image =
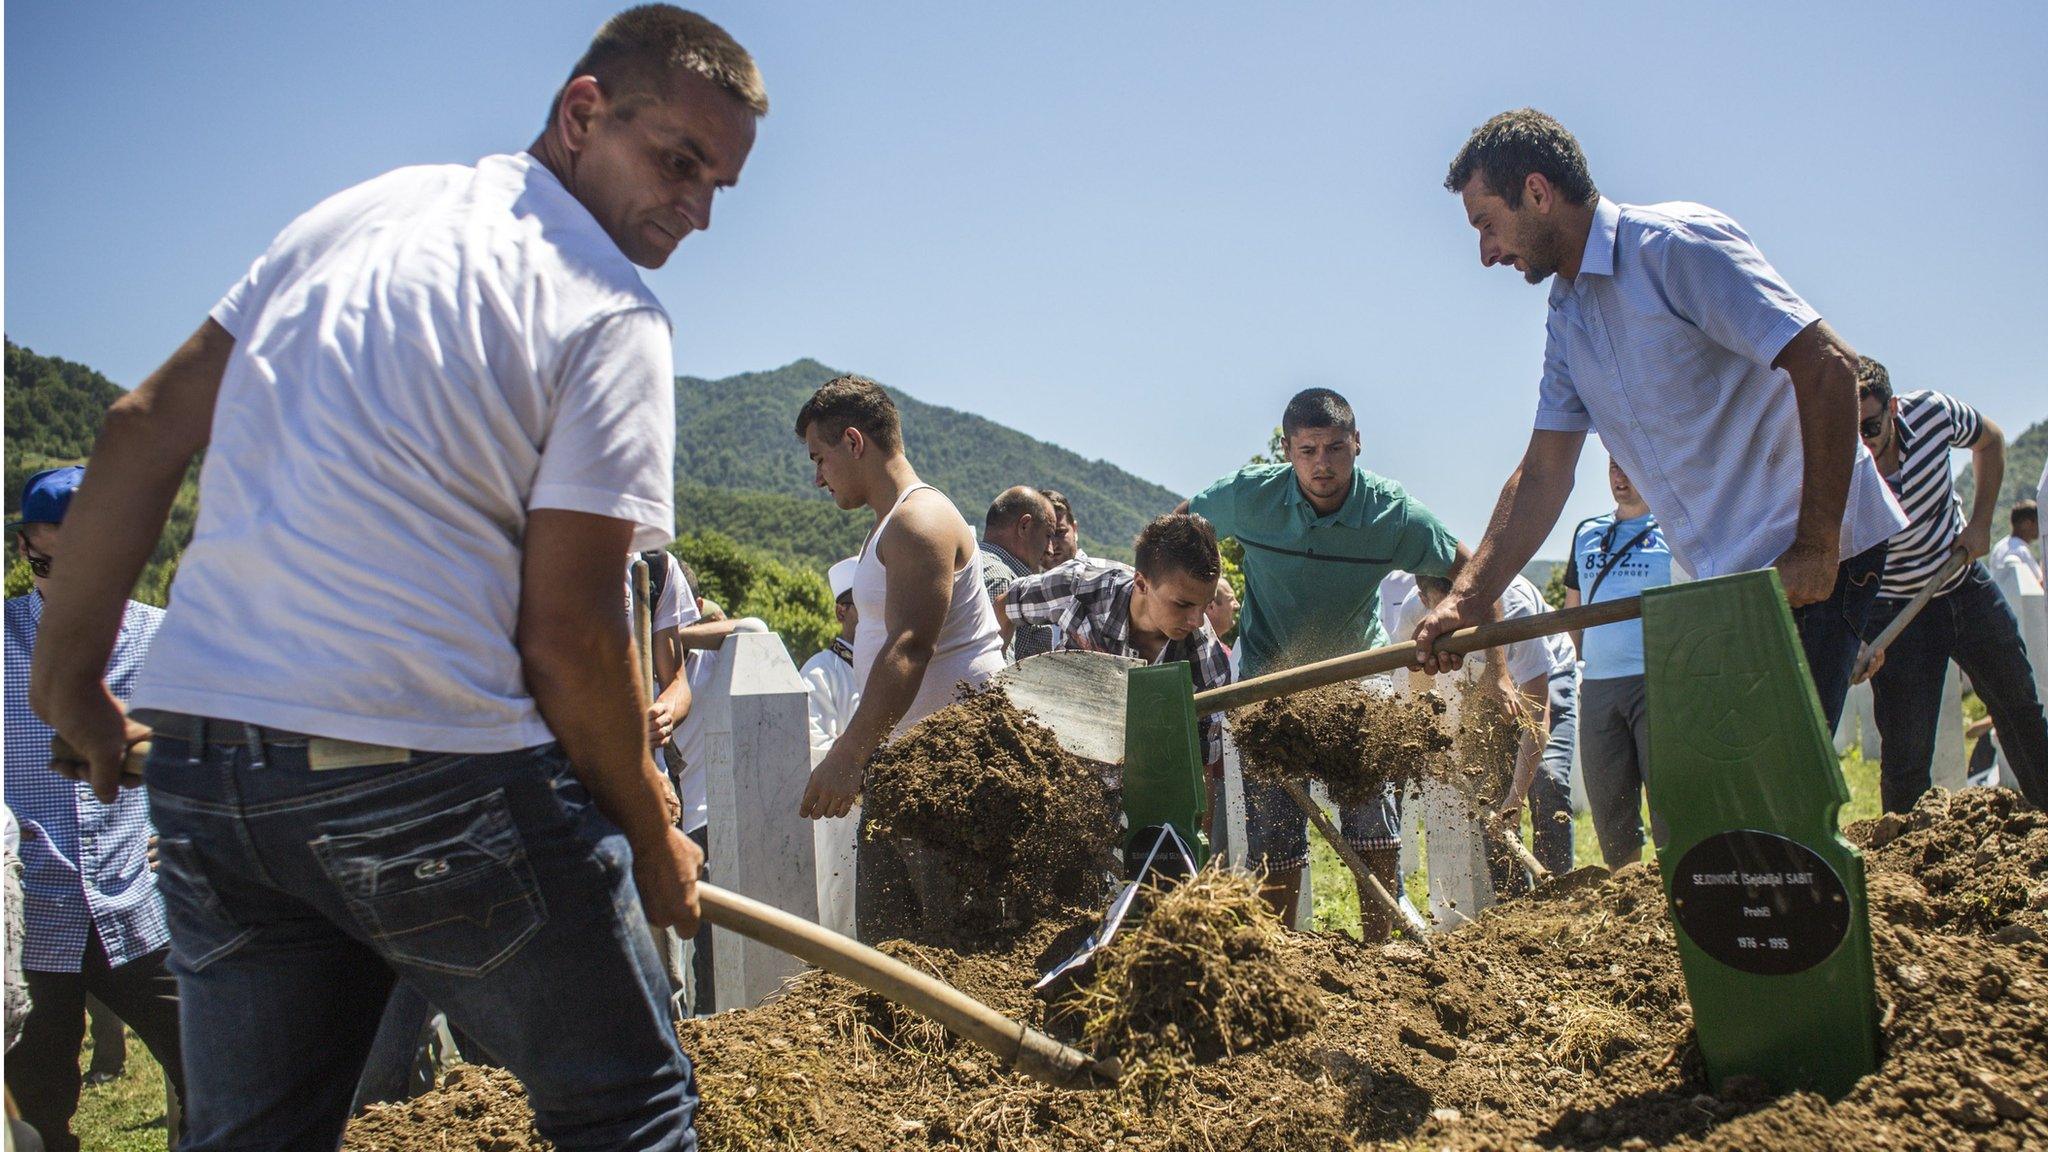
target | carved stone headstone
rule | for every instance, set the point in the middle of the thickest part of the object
(757, 766)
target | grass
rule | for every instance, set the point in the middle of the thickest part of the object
(127, 1115)
(1336, 900)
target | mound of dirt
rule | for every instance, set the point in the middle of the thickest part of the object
(475, 1109)
(1019, 825)
(1353, 739)
(1554, 1021)
(1198, 978)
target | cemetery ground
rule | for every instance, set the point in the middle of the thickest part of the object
(907, 1084)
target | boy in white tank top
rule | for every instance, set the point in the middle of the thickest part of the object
(926, 627)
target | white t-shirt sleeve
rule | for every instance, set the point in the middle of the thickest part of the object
(232, 313)
(669, 611)
(1528, 659)
(611, 445)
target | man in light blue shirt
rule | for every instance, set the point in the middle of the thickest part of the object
(95, 921)
(1726, 398)
(1615, 556)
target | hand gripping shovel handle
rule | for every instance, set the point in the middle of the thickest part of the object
(1870, 652)
(68, 762)
(1030, 1051)
(1407, 917)
(1402, 655)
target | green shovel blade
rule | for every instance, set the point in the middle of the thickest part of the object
(1163, 782)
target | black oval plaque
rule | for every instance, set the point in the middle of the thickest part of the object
(1759, 902)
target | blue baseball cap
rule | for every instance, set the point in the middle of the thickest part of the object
(46, 495)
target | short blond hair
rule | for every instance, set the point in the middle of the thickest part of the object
(639, 50)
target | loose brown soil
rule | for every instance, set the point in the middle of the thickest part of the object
(1021, 825)
(1554, 1021)
(1356, 741)
(1483, 758)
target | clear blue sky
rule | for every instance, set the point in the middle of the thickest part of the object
(1133, 229)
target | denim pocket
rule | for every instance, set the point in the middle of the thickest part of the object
(202, 931)
(453, 891)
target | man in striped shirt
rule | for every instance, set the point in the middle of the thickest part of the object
(1968, 621)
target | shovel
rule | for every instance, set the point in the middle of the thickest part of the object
(1082, 697)
(1024, 1048)
(1869, 653)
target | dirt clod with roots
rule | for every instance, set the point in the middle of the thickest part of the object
(1197, 978)
(1354, 739)
(1020, 825)
(1556, 1021)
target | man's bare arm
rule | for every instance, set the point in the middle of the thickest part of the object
(1823, 371)
(705, 635)
(1987, 461)
(576, 649)
(1571, 600)
(1527, 510)
(918, 549)
(672, 704)
(1004, 625)
(145, 446)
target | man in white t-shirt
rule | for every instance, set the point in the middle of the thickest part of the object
(2016, 551)
(834, 695)
(1545, 672)
(396, 725)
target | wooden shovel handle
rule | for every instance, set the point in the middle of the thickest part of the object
(1028, 1050)
(1402, 655)
(1868, 653)
(1407, 917)
(66, 761)
(1520, 851)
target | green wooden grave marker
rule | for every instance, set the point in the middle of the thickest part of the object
(1767, 898)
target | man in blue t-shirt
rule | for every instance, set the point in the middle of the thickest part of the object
(1614, 556)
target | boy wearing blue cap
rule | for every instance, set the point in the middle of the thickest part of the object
(95, 924)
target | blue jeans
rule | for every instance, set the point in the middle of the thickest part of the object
(1973, 626)
(1550, 792)
(490, 882)
(1832, 630)
(1276, 831)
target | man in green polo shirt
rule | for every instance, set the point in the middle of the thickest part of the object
(1319, 533)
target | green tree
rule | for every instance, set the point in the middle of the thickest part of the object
(794, 601)
(1553, 588)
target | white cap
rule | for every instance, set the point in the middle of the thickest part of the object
(840, 576)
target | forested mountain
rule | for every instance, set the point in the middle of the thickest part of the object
(53, 415)
(2024, 455)
(739, 466)
(760, 535)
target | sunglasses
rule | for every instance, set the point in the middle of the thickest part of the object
(1872, 426)
(38, 563)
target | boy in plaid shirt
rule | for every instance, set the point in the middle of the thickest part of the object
(1154, 612)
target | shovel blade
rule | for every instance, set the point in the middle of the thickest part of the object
(1079, 695)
